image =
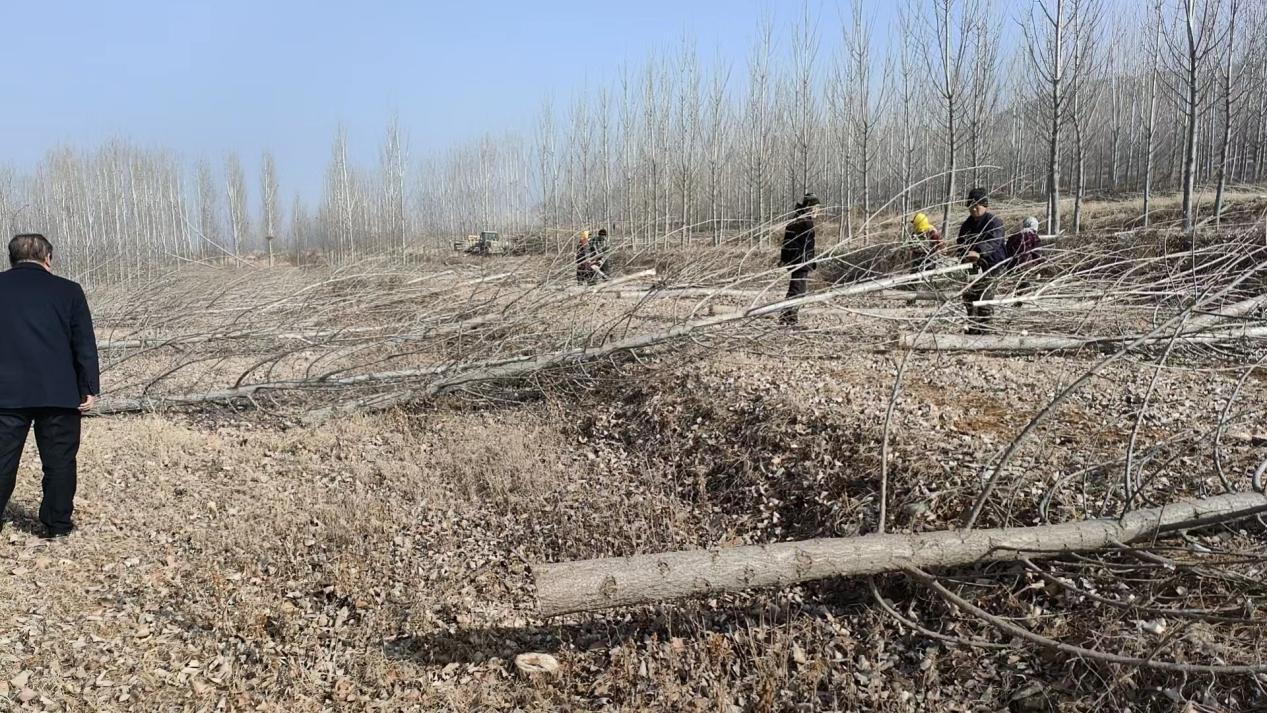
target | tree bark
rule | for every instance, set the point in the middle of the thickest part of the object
(1191, 112)
(589, 585)
(1151, 132)
(1057, 118)
(1226, 82)
(1015, 343)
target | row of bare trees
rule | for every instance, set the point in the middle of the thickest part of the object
(1055, 99)
(1049, 99)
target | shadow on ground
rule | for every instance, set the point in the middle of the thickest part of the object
(473, 645)
(23, 520)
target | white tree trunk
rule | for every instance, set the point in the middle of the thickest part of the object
(570, 587)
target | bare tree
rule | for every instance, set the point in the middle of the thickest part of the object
(911, 111)
(804, 108)
(1050, 50)
(300, 230)
(984, 97)
(208, 204)
(1151, 132)
(239, 219)
(687, 131)
(268, 195)
(394, 160)
(1190, 42)
(759, 131)
(340, 204)
(1085, 86)
(716, 123)
(946, 61)
(605, 155)
(547, 171)
(1232, 92)
(866, 109)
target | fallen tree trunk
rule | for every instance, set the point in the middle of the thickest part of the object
(1038, 343)
(922, 295)
(694, 293)
(1198, 322)
(589, 585)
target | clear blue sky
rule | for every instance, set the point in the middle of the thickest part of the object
(205, 77)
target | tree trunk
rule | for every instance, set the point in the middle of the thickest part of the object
(1227, 81)
(1057, 118)
(1191, 109)
(1079, 159)
(950, 87)
(1148, 146)
(950, 168)
(589, 585)
(1260, 155)
(1015, 344)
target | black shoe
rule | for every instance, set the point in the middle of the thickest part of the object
(57, 534)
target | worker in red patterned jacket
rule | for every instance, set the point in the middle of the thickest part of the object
(1023, 256)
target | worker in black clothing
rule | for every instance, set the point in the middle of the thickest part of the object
(984, 244)
(797, 254)
(602, 254)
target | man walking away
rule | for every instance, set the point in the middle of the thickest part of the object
(48, 375)
(798, 254)
(983, 243)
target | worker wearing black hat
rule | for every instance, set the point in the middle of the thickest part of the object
(798, 253)
(984, 244)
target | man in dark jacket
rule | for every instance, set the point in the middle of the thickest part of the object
(984, 244)
(602, 255)
(798, 254)
(48, 375)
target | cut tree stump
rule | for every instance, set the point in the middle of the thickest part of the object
(588, 585)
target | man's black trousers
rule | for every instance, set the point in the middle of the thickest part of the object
(981, 289)
(57, 439)
(797, 286)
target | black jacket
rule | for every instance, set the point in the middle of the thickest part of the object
(798, 243)
(984, 235)
(48, 351)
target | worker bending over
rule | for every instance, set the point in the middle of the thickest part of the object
(926, 242)
(983, 244)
